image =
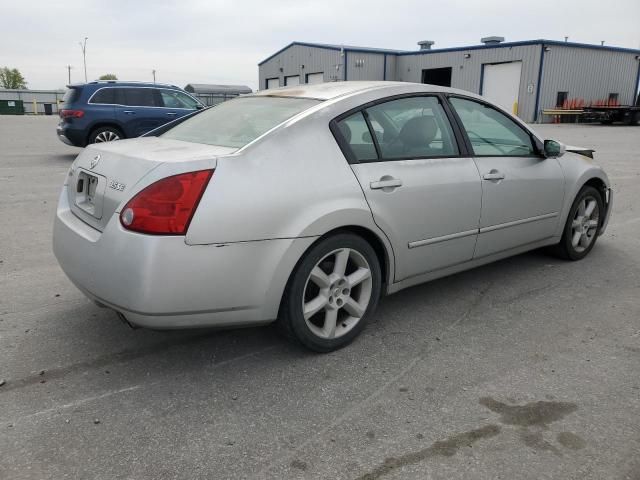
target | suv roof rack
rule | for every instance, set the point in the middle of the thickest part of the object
(133, 81)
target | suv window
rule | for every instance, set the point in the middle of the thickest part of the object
(491, 132)
(140, 97)
(414, 127)
(173, 99)
(356, 135)
(104, 95)
(70, 95)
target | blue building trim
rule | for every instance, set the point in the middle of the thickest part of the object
(635, 99)
(481, 79)
(454, 49)
(384, 68)
(539, 85)
(346, 65)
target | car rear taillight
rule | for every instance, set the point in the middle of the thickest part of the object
(65, 113)
(166, 206)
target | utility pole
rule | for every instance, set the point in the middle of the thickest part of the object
(154, 75)
(83, 46)
(69, 67)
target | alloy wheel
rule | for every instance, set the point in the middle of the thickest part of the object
(337, 293)
(584, 227)
(107, 136)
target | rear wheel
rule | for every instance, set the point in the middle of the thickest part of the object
(332, 293)
(105, 134)
(583, 225)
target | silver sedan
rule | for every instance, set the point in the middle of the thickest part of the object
(304, 205)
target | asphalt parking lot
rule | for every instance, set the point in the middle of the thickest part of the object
(525, 369)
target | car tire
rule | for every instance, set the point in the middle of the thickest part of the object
(331, 294)
(583, 225)
(105, 134)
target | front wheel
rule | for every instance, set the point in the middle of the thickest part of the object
(583, 225)
(332, 293)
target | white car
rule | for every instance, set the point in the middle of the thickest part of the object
(304, 205)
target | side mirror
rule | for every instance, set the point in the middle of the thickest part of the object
(199, 107)
(553, 149)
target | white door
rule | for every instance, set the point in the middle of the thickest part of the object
(315, 77)
(292, 80)
(273, 83)
(501, 84)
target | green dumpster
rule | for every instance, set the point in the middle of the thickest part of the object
(11, 107)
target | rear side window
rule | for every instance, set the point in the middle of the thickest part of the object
(414, 127)
(357, 138)
(141, 97)
(105, 96)
(491, 132)
(238, 122)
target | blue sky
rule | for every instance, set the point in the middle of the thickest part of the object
(193, 41)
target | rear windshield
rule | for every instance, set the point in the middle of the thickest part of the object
(237, 122)
(70, 95)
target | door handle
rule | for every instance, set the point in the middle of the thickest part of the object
(494, 176)
(129, 112)
(386, 182)
(171, 114)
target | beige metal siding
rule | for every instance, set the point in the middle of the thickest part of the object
(466, 72)
(365, 66)
(588, 74)
(300, 60)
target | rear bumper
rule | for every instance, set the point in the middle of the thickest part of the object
(161, 282)
(71, 136)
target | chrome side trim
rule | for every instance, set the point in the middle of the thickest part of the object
(500, 226)
(143, 106)
(444, 238)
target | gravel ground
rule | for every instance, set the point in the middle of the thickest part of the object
(524, 369)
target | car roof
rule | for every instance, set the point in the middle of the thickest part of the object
(330, 90)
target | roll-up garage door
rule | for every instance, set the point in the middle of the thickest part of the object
(273, 83)
(292, 80)
(501, 84)
(315, 77)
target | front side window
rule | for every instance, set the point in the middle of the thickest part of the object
(239, 121)
(414, 127)
(173, 99)
(140, 97)
(491, 132)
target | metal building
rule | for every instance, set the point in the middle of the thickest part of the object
(525, 77)
(35, 101)
(214, 94)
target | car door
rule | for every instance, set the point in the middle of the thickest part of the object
(177, 104)
(423, 191)
(522, 191)
(140, 110)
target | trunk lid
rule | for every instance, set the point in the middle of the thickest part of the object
(104, 175)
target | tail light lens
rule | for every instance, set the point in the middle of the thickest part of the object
(65, 113)
(166, 207)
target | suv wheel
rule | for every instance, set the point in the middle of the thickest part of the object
(105, 134)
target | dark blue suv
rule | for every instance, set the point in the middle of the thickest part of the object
(104, 111)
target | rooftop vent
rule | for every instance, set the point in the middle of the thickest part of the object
(426, 44)
(492, 40)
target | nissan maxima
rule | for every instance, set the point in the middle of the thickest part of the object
(304, 205)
